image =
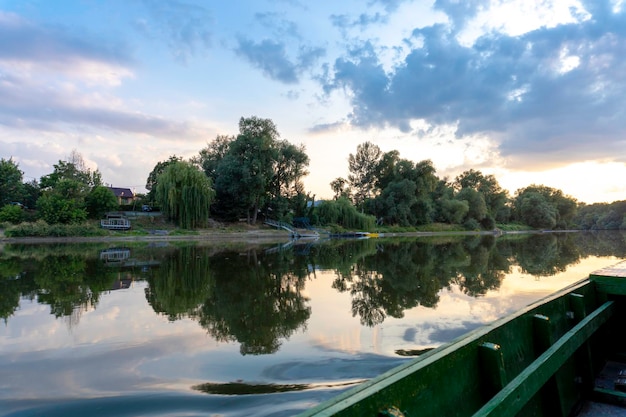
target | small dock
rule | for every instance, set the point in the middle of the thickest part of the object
(296, 233)
(115, 222)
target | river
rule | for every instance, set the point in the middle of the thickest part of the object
(199, 329)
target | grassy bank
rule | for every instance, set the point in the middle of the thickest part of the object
(151, 225)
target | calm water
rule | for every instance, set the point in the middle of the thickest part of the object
(191, 329)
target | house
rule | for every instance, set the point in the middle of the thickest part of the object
(123, 195)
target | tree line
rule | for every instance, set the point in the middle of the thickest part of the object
(256, 173)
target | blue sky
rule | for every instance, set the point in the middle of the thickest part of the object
(529, 91)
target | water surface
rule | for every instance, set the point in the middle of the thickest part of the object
(186, 328)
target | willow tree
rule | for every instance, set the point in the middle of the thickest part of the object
(185, 195)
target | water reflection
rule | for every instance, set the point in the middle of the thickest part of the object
(256, 296)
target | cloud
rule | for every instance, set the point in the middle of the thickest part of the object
(51, 79)
(327, 127)
(185, 28)
(27, 47)
(364, 20)
(389, 5)
(272, 59)
(548, 91)
(29, 104)
(280, 26)
(460, 12)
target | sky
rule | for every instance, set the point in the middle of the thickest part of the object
(532, 92)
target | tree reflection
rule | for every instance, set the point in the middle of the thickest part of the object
(257, 301)
(71, 283)
(181, 284)
(486, 266)
(14, 283)
(403, 275)
(547, 254)
(255, 296)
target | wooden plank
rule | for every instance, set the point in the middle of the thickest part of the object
(492, 361)
(610, 280)
(551, 391)
(516, 394)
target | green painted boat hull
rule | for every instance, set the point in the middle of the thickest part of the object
(540, 361)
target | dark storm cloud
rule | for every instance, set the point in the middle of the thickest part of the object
(516, 89)
(184, 27)
(25, 41)
(272, 59)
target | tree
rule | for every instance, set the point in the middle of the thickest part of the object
(74, 169)
(158, 169)
(340, 188)
(65, 189)
(100, 200)
(11, 213)
(477, 208)
(256, 172)
(54, 207)
(259, 172)
(185, 194)
(494, 196)
(363, 169)
(386, 169)
(245, 173)
(11, 186)
(536, 211)
(399, 202)
(289, 169)
(31, 193)
(341, 212)
(210, 157)
(563, 207)
(286, 189)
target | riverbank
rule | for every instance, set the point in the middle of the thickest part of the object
(252, 234)
(157, 228)
(204, 235)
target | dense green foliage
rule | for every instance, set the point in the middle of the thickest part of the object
(152, 181)
(99, 201)
(601, 216)
(185, 195)
(255, 173)
(341, 212)
(11, 213)
(544, 208)
(11, 185)
(64, 191)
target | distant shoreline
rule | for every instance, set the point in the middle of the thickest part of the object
(257, 235)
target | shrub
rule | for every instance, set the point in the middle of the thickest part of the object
(11, 213)
(42, 229)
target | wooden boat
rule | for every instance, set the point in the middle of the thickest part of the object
(549, 359)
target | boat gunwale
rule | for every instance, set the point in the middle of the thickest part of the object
(392, 376)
